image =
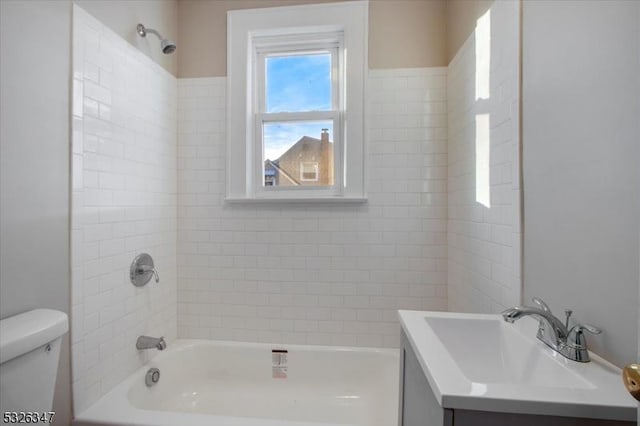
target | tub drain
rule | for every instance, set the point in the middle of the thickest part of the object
(152, 377)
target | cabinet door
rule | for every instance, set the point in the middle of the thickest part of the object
(418, 404)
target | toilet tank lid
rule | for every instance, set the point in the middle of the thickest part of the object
(24, 332)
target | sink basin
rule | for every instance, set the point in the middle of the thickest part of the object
(504, 354)
(480, 362)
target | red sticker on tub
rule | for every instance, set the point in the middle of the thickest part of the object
(279, 363)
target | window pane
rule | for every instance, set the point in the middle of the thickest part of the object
(298, 153)
(298, 83)
(309, 171)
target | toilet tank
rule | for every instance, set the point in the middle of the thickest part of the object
(29, 351)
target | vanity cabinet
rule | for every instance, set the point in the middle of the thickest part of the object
(418, 405)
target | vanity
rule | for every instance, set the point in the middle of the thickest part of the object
(476, 370)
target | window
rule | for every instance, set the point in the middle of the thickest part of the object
(309, 172)
(297, 109)
(296, 102)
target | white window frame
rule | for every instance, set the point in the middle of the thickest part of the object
(256, 31)
(291, 45)
(314, 164)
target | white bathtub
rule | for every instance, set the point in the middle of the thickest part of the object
(232, 384)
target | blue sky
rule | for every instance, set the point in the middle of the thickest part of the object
(296, 83)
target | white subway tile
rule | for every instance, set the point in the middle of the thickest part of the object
(103, 215)
(483, 242)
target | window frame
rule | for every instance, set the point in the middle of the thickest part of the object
(315, 169)
(293, 45)
(296, 26)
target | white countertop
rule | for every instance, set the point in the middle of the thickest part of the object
(515, 372)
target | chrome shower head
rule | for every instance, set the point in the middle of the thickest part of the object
(168, 46)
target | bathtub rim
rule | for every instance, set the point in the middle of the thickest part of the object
(102, 412)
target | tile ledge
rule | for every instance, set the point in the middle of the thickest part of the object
(316, 200)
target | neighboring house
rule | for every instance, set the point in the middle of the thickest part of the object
(308, 162)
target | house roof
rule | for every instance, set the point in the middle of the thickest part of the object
(308, 144)
(305, 140)
(274, 164)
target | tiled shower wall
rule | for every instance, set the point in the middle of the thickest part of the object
(124, 203)
(332, 274)
(483, 174)
(316, 273)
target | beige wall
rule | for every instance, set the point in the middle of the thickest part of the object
(461, 16)
(428, 32)
(122, 16)
(402, 33)
(406, 34)
(34, 166)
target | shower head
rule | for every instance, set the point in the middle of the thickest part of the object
(168, 46)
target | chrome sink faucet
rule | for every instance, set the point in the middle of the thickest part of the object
(570, 343)
(146, 342)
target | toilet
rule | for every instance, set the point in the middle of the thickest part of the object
(29, 351)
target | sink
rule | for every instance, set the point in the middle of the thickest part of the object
(504, 354)
(480, 362)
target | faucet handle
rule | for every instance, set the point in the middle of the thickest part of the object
(576, 343)
(576, 336)
(541, 303)
(586, 327)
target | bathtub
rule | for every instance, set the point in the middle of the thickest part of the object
(249, 384)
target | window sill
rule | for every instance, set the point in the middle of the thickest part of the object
(317, 200)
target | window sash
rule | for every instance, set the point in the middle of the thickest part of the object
(283, 46)
(296, 50)
(298, 116)
(261, 189)
(303, 171)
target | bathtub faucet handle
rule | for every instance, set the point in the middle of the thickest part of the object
(143, 269)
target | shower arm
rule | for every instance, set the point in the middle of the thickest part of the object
(142, 31)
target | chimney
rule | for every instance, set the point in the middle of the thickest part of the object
(324, 136)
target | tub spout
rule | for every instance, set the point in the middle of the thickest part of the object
(146, 342)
